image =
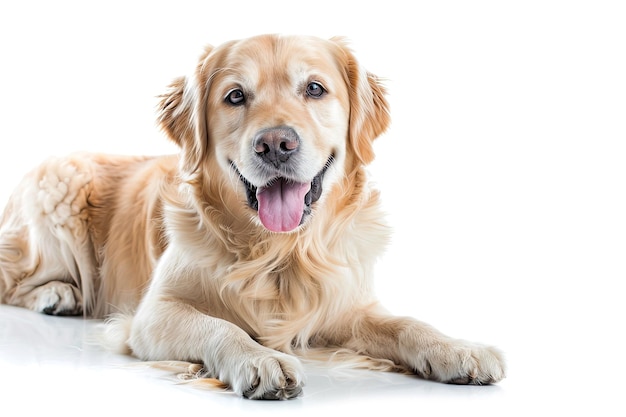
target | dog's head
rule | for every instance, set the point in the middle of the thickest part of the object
(287, 117)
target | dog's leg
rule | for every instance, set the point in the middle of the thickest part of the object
(425, 351)
(46, 257)
(166, 326)
(31, 279)
(167, 330)
(28, 279)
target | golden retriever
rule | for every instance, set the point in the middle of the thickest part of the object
(255, 244)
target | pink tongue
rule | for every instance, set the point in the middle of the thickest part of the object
(281, 204)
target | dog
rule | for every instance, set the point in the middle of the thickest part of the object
(253, 245)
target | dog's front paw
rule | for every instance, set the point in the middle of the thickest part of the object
(459, 362)
(268, 375)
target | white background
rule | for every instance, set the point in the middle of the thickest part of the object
(504, 171)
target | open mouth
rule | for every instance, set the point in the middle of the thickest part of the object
(282, 203)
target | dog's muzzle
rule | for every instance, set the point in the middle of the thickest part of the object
(282, 204)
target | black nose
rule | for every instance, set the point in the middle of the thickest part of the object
(276, 145)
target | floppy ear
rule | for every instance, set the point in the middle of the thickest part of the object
(182, 115)
(369, 109)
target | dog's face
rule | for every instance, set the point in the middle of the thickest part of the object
(288, 117)
(278, 116)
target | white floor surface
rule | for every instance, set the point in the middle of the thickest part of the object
(49, 366)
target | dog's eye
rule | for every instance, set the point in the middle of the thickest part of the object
(236, 97)
(315, 90)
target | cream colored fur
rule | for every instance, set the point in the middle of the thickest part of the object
(169, 250)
